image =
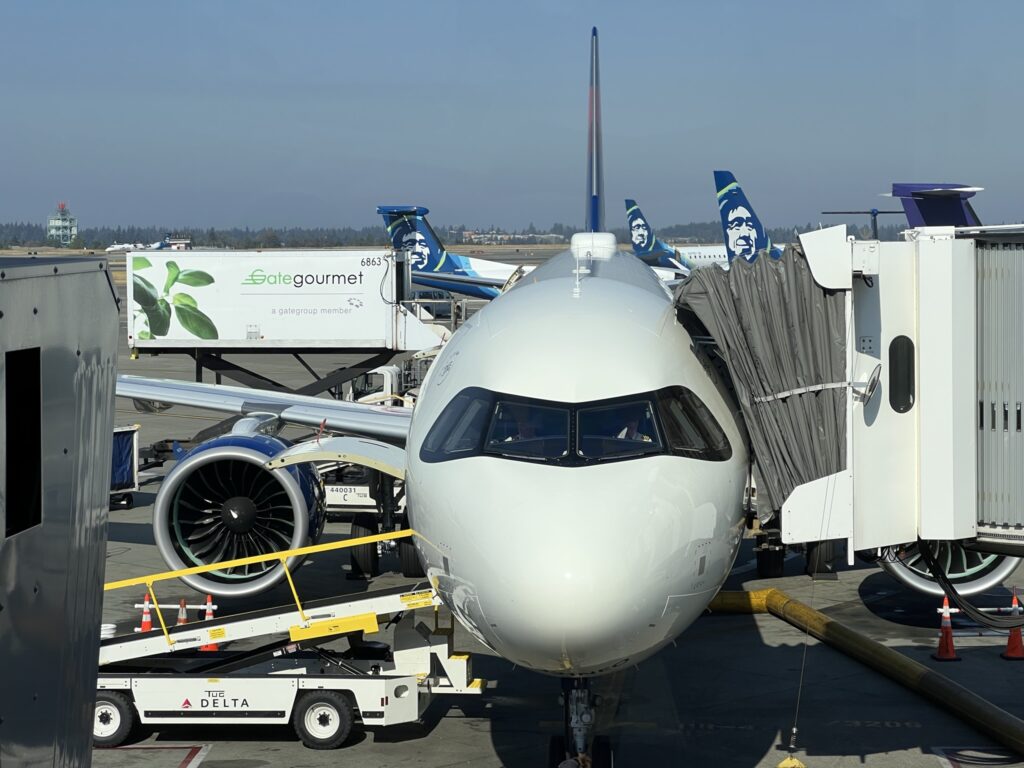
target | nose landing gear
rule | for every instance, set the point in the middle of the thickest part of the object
(570, 749)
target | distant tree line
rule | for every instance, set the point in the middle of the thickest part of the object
(26, 234)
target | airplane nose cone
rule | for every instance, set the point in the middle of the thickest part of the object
(589, 573)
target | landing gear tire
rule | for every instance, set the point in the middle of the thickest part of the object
(556, 751)
(114, 719)
(365, 557)
(408, 558)
(601, 753)
(322, 719)
(819, 557)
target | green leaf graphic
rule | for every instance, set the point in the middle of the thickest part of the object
(144, 335)
(144, 292)
(195, 277)
(159, 318)
(195, 322)
(172, 274)
(140, 262)
(180, 299)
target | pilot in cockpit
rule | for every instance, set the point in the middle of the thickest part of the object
(632, 429)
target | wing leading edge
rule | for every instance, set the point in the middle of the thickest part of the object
(387, 423)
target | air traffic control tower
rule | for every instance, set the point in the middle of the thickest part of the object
(61, 227)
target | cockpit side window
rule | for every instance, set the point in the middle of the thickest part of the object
(459, 429)
(690, 428)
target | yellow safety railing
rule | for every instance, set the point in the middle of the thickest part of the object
(282, 556)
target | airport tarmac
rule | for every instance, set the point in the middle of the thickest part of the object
(726, 694)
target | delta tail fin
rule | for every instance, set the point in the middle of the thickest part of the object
(745, 235)
(938, 205)
(595, 165)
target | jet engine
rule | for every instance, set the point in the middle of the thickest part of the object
(219, 504)
(971, 571)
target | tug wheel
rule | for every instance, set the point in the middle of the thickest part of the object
(322, 719)
(113, 720)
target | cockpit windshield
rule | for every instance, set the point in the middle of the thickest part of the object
(670, 421)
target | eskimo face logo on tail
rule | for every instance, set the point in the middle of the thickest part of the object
(639, 232)
(417, 251)
(741, 230)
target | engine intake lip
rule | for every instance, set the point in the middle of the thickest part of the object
(989, 570)
(163, 522)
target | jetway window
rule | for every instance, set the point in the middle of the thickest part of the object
(23, 418)
(901, 375)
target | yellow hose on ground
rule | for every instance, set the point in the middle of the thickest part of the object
(965, 704)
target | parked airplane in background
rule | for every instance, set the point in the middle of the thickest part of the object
(657, 253)
(526, 460)
(125, 247)
(745, 235)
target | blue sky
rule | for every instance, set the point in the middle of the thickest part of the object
(310, 114)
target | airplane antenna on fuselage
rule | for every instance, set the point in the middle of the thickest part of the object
(595, 168)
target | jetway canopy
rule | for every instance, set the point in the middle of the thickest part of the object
(783, 338)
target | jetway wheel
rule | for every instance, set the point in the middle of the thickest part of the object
(365, 557)
(819, 557)
(114, 719)
(322, 719)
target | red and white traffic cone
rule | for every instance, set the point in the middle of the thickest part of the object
(147, 619)
(1014, 645)
(182, 613)
(209, 615)
(946, 651)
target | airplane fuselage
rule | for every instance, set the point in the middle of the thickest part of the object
(575, 473)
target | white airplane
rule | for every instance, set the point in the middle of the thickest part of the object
(573, 472)
(159, 245)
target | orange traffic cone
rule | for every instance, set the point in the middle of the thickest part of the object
(147, 618)
(945, 651)
(209, 615)
(1014, 645)
(182, 614)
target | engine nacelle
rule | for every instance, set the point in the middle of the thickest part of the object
(219, 504)
(970, 571)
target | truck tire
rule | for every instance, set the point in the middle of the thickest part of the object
(365, 557)
(113, 720)
(322, 719)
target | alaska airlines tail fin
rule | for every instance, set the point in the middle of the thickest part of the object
(937, 205)
(409, 231)
(646, 245)
(745, 236)
(595, 167)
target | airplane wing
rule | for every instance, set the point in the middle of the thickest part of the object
(384, 422)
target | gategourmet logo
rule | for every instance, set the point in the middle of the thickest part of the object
(302, 279)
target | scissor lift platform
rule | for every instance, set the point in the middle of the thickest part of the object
(158, 678)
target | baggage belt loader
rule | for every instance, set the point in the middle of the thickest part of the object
(288, 675)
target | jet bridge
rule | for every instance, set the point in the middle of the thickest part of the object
(881, 384)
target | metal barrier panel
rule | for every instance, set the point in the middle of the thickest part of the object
(1000, 376)
(58, 338)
